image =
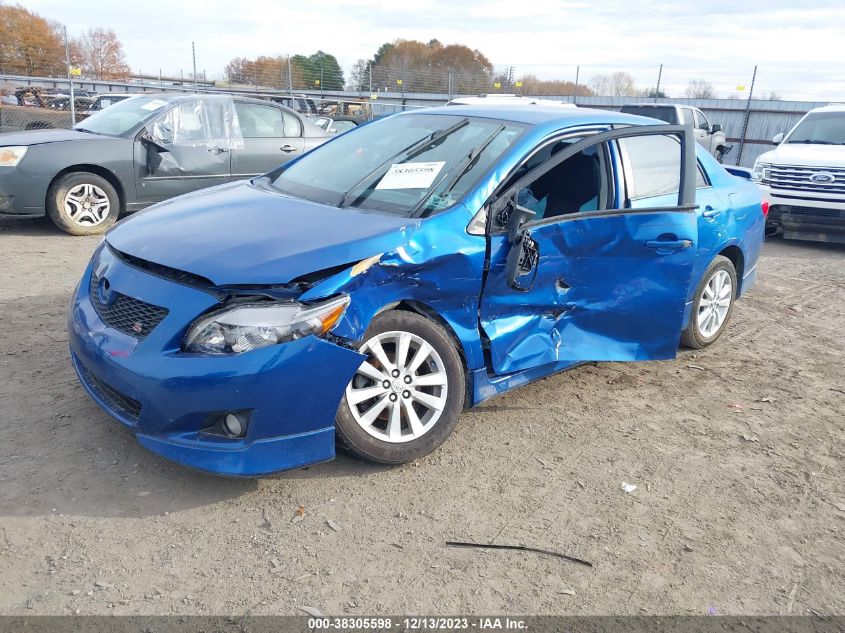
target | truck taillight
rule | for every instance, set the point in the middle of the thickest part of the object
(765, 207)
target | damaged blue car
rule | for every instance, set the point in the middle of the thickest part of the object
(369, 291)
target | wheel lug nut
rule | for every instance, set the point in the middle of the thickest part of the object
(386, 384)
(393, 397)
(407, 380)
(395, 373)
(406, 394)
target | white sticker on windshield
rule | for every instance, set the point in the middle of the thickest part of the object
(155, 104)
(410, 175)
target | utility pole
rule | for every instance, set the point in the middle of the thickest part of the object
(194, 55)
(659, 77)
(70, 81)
(290, 83)
(747, 116)
(577, 75)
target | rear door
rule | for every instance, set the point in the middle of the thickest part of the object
(271, 136)
(599, 276)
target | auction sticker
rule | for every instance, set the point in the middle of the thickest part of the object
(410, 175)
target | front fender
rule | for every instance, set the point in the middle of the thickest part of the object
(439, 266)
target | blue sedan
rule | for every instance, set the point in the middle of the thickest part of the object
(369, 291)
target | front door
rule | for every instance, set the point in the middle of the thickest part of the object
(183, 149)
(608, 278)
(272, 136)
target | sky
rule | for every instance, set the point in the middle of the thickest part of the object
(798, 49)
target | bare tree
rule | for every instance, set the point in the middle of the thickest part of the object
(101, 53)
(700, 89)
(619, 84)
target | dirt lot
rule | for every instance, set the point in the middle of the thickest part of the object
(736, 452)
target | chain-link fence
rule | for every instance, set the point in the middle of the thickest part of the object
(33, 102)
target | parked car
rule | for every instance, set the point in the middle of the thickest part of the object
(338, 124)
(300, 103)
(104, 101)
(710, 136)
(29, 109)
(411, 268)
(144, 150)
(62, 103)
(803, 179)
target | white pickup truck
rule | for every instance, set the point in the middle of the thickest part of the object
(803, 179)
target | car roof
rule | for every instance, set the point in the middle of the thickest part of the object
(833, 107)
(540, 114)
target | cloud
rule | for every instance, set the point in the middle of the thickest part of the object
(719, 40)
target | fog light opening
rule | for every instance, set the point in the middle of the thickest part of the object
(234, 425)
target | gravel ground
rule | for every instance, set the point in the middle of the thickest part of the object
(736, 452)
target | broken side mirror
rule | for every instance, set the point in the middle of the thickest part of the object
(524, 254)
(777, 139)
(716, 128)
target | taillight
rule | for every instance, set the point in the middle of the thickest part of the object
(765, 207)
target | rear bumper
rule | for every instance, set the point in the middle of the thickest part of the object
(801, 216)
(291, 391)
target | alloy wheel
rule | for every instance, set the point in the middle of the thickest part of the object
(714, 303)
(399, 392)
(86, 205)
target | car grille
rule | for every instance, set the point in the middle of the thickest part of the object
(798, 179)
(125, 314)
(121, 404)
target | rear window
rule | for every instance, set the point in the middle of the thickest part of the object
(664, 113)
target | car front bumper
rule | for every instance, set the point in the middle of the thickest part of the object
(290, 391)
(22, 193)
(802, 215)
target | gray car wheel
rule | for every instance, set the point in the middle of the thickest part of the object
(82, 203)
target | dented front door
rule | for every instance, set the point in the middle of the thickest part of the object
(608, 285)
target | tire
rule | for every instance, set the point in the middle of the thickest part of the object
(389, 440)
(67, 197)
(697, 333)
(719, 155)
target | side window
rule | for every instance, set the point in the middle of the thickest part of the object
(579, 183)
(181, 125)
(260, 121)
(700, 122)
(652, 165)
(700, 178)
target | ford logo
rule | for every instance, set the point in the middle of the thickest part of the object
(104, 291)
(822, 178)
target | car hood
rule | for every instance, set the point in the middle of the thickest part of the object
(37, 137)
(806, 154)
(240, 233)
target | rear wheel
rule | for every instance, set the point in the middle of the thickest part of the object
(713, 305)
(82, 203)
(405, 399)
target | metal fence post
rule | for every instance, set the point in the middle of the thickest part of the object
(449, 84)
(575, 92)
(746, 118)
(70, 81)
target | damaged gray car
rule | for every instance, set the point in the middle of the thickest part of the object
(144, 150)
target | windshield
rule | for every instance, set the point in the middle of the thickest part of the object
(822, 128)
(121, 117)
(405, 164)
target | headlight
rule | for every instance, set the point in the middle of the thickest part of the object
(762, 172)
(254, 325)
(12, 155)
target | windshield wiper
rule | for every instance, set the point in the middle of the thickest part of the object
(411, 151)
(816, 141)
(454, 175)
(86, 130)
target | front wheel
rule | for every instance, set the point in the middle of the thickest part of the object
(405, 399)
(82, 203)
(713, 305)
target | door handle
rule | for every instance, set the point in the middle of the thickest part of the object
(217, 150)
(668, 244)
(287, 148)
(710, 212)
